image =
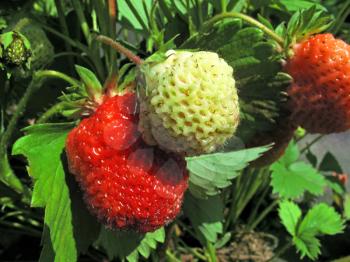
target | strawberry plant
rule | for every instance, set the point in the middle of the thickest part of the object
(173, 130)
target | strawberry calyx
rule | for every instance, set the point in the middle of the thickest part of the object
(302, 25)
(82, 99)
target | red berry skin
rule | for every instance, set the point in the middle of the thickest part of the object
(126, 183)
(320, 92)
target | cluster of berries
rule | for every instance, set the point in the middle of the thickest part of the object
(128, 156)
(131, 184)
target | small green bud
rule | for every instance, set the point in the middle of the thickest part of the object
(300, 133)
(15, 48)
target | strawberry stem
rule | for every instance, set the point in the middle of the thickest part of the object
(9, 177)
(56, 74)
(120, 48)
(247, 19)
(55, 109)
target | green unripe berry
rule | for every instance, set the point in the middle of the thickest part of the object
(15, 48)
(190, 103)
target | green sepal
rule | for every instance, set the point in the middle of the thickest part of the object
(71, 113)
(92, 85)
(126, 76)
(161, 55)
(305, 23)
(157, 57)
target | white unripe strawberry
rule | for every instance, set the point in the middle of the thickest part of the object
(190, 103)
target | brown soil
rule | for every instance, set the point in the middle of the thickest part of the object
(249, 246)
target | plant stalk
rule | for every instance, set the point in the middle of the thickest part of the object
(117, 46)
(6, 173)
(63, 24)
(282, 250)
(56, 74)
(112, 13)
(223, 6)
(211, 252)
(171, 257)
(263, 214)
(309, 145)
(55, 109)
(257, 205)
(81, 17)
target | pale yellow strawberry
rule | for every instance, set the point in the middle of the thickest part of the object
(189, 104)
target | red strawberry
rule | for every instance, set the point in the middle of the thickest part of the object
(126, 183)
(320, 93)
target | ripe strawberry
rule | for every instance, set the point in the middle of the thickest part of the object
(126, 183)
(320, 93)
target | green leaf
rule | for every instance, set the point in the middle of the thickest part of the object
(308, 245)
(294, 180)
(68, 228)
(92, 84)
(223, 241)
(347, 206)
(237, 47)
(221, 34)
(206, 216)
(43, 146)
(290, 215)
(265, 22)
(295, 5)
(212, 172)
(45, 7)
(291, 154)
(290, 179)
(133, 14)
(334, 184)
(129, 245)
(330, 164)
(236, 5)
(6, 39)
(50, 137)
(322, 219)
